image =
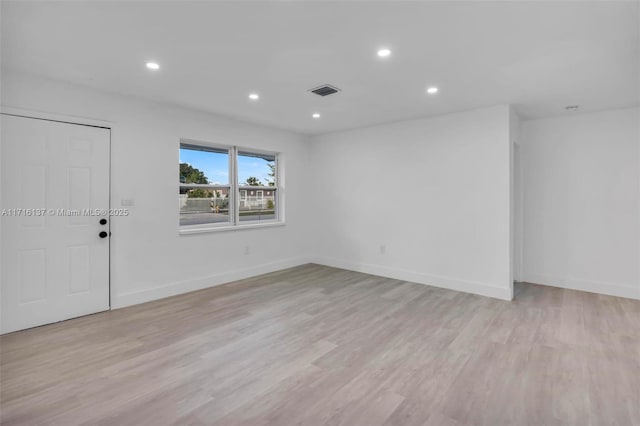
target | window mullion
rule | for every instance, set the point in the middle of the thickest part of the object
(234, 185)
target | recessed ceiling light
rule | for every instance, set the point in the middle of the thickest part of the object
(315, 115)
(153, 65)
(383, 53)
(254, 96)
(432, 90)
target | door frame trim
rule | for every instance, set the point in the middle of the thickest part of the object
(43, 115)
(78, 121)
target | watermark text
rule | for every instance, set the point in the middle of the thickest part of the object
(63, 212)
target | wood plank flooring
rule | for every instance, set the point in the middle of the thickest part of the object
(320, 346)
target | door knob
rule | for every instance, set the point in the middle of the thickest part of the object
(103, 221)
(103, 234)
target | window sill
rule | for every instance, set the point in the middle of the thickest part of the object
(205, 230)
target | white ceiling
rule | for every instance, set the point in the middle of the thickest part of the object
(539, 56)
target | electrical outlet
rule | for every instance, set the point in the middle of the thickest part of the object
(383, 249)
(246, 250)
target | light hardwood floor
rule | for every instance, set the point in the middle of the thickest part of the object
(315, 345)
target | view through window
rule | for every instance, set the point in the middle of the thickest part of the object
(225, 186)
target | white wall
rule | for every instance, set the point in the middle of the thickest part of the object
(581, 206)
(149, 258)
(435, 192)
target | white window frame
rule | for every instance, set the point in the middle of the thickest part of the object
(235, 191)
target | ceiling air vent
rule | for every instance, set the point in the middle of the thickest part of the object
(325, 90)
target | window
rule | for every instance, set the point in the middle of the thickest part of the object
(226, 186)
(257, 174)
(243, 198)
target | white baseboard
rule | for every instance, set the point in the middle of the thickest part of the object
(609, 289)
(472, 287)
(173, 289)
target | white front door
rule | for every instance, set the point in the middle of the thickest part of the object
(55, 194)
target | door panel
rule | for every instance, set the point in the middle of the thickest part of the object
(54, 264)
